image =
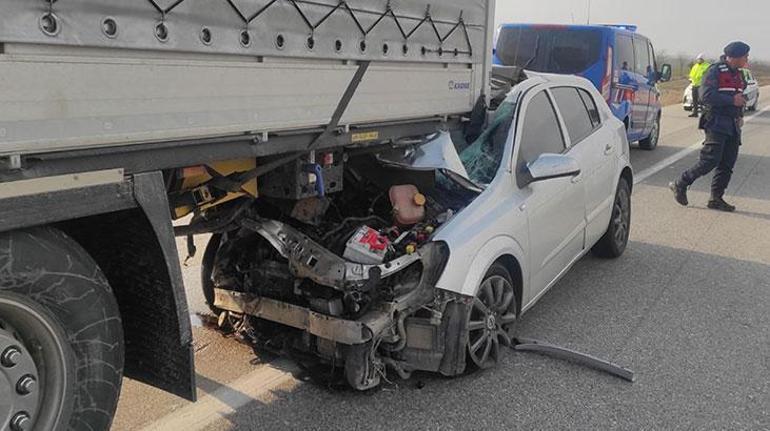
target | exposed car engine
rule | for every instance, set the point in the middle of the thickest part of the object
(342, 271)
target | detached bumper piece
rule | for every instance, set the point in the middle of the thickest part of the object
(527, 345)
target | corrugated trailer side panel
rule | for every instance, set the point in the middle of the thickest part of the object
(74, 74)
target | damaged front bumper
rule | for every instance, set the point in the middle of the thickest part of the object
(389, 333)
(331, 328)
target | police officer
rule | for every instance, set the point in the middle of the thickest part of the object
(722, 96)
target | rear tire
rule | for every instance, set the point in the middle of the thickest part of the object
(615, 240)
(58, 310)
(651, 142)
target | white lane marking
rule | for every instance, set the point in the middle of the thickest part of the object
(226, 400)
(663, 164)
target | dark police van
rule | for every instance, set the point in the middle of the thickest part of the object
(616, 59)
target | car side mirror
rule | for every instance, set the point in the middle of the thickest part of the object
(665, 73)
(550, 166)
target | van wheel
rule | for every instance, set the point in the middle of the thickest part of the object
(651, 142)
(61, 337)
(614, 242)
(491, 318)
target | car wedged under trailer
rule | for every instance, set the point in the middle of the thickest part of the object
(503, 217)
(364, 315)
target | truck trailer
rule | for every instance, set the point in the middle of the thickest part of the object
(278, 126)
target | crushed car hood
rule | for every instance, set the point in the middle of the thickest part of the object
(439, 153)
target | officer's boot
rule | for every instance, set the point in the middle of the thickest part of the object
(680, 192)
(719, 204)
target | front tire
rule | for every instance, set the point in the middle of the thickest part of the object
(651, 142)
(615, 240)
(491, 318)
(61, 336)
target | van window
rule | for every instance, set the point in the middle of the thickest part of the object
(652, 58)
(574, 112)
(643, 66)
(548, 49)
(624, 53)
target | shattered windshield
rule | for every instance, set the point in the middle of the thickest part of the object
(483, 157)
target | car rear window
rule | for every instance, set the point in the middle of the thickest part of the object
(551, 50)
(593, 111)
(573, 110)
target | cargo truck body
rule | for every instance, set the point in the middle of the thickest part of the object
(252, 118)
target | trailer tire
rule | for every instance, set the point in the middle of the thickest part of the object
(61, 323)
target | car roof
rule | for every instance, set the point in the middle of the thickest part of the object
(561, 79)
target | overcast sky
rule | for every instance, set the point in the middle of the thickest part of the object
(676, 26)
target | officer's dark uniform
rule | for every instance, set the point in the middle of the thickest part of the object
(722, 122)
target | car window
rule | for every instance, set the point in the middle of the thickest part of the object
(593, 110)
(573, 111)
(541, 132)
(642, 55)
(624, 53)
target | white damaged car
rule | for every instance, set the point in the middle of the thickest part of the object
(432, 248)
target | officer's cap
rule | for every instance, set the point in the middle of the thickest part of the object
(737, 50)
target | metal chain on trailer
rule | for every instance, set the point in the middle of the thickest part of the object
(343, 6)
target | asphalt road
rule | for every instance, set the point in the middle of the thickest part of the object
(687, 308)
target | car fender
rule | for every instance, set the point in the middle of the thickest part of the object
(464, 273)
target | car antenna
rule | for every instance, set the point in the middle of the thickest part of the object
(534, 56)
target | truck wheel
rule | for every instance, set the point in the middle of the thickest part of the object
(207, 269)
(61, 337)
(650, 142)
(490, 318)
(615, 240)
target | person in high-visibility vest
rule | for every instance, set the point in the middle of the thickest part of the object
(696, 78)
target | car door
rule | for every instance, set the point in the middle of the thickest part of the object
(555, 208)
(595, 151)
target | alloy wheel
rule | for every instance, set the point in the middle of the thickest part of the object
(621, 217)
(492, 313)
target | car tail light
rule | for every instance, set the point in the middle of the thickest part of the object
(607, 79)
